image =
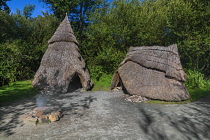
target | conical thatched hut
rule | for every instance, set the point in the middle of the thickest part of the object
(62, 67)
(153, 72)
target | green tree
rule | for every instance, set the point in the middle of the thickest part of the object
(78, 12)
(23, 42)
(152, 22)
(61, 7)
(28, 10)
(4, 6)
(126, 23)
(188, 23)
(7, 28)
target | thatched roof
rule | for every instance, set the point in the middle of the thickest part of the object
(161, 58)
(62, 67)
(64, 33)
(154, 72)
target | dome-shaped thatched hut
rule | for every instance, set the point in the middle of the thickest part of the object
(153, 72)
(62, 67)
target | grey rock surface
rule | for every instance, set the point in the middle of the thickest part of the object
(107, 116)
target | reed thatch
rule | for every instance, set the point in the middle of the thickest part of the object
(62, 67)
(153, 72)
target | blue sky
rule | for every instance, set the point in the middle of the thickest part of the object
(19, 4)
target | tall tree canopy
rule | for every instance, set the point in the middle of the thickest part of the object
(105, 31)
(154, 22)
(4, 6)
(78, 11)
(23, 40)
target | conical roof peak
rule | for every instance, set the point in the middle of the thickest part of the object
(63, 33)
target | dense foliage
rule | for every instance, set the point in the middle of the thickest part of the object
(105, 31)
(23, 41)
(77, 10)
(4, 6)
(184, 22)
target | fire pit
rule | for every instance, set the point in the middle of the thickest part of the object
(45, 111)
(42, 115)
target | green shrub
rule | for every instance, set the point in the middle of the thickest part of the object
(102, 81)
(16, 62)
(195, 79)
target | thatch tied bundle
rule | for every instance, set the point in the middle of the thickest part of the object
(62, 67)
(153, 72)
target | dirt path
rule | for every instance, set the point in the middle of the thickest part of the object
(107, 116)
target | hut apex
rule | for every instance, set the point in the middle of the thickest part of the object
(63, 33)
(153, 72)
(62, 67)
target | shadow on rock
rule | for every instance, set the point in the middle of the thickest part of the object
(186, 122)
(10, 114)
(67, 103)
(70, 102)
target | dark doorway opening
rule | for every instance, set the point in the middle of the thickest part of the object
(120, 86)
(75, 84)
(124, 90)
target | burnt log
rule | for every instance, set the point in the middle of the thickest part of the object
(62, 64)
(153, 72)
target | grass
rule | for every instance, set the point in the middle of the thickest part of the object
(23, 89)
(102, 84)
(16, 91)
(195, 94)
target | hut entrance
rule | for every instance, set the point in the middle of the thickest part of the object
(75, 84)
(120, 86)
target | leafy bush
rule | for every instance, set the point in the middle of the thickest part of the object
(23, 41)
(102, 81)
(147, 23)
(15, 63)
(195, 79)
